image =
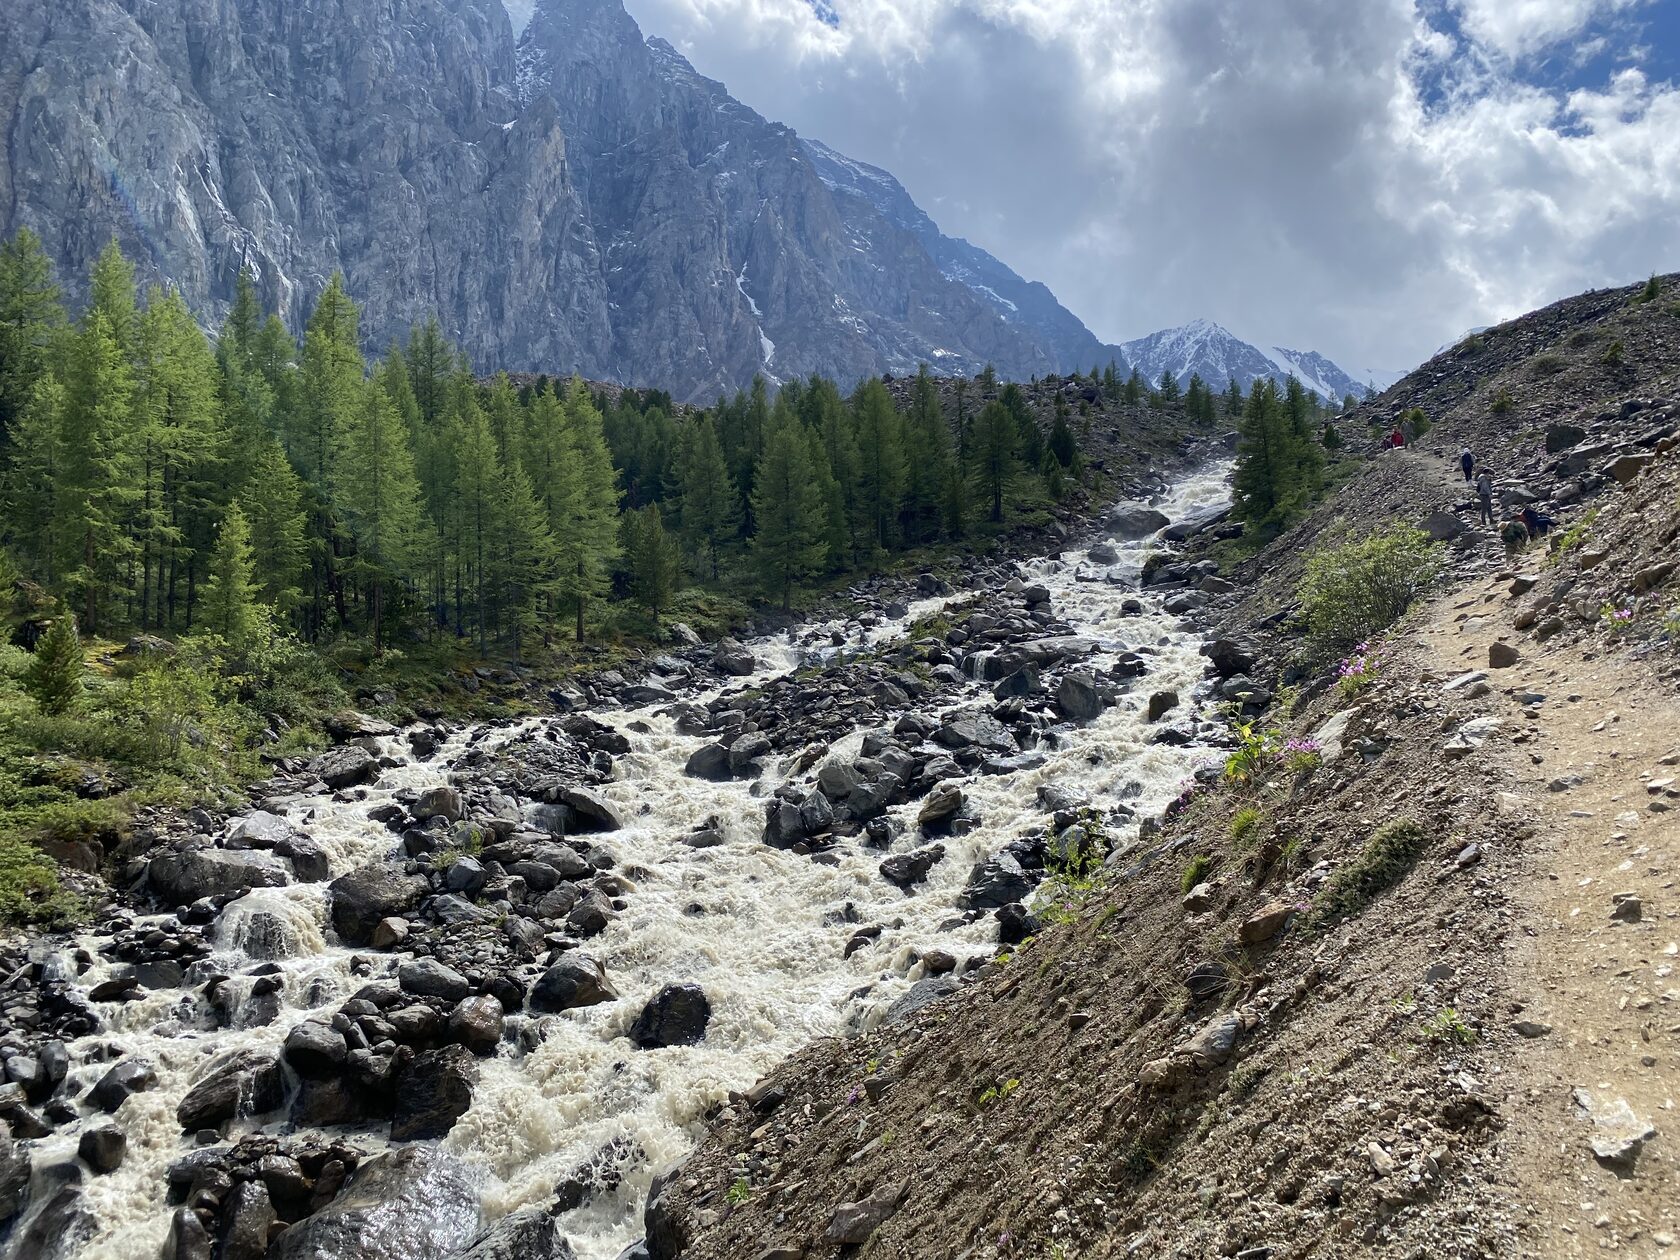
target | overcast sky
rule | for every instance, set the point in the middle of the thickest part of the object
(1368, 178)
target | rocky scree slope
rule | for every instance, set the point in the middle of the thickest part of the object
(578, 199)
(1294, 1018)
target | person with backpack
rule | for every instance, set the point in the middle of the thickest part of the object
(1484, 495)
(1467, 462)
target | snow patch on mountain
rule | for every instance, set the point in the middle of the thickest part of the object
(1218, 356)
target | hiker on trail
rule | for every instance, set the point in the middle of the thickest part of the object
(1467, 462)
(1536, 523)
(1397, 439)
(1484, 495)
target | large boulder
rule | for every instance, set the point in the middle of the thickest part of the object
(709, 762)
(128, 1077)
(364, 896)
(1195, 523)
(733, 658)
(676, 1016)
(248, 1083)
(427, 977)
(1131, 521)
(591, 811)
(576, 980)
(315, 1049)
(439, 802)
(996, 882)
(1077, 697)
(528, 1235)
(404, 1205)
(1230, 657)
(182, 876)
(906, 870)
(434, 1092)
(349, 766)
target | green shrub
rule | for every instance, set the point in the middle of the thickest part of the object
(1502, 403)
(1547, 364)
(1382, 863)
(1352, 592)
(1651, 290)
(29, 887)
(1614, 354)
(1415, 423)
(1198, 866)
(54, 677)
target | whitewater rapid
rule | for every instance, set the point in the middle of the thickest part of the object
(761, 930)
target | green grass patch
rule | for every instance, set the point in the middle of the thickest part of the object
(1194, 871)
(1243, 823)
(1386, 857)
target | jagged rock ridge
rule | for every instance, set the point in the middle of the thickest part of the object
(576, 198)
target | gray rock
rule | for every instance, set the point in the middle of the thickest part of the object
(181, 876)
(591, 811)
(1130, 522)
(477, 1023)
(129, 1076)
(401, 1205)
(853, 1223)
(364, 896)
(314, 1048)
(103, 1147)
(248, 1083)
(433, 1093)
(428, 977)
(528, 1235)
(1077, 698)
(576, 980)
(906, 870)
(710, 762)
(439, 802)
(1160, 704)
(349, 766)
(246, 1218)
(676, 1016)
(731, 657)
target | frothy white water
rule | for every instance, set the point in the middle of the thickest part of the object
(762, 931)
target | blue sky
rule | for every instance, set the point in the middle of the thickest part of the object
(1362, 177)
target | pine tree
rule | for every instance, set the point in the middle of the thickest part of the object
(378, 499)
(825, 413)
(988, 381)
(1233, 398)
(654, 560)
(31, 321)
(244, 323)
(788, 506)
(587, 535)
(111, 292)
(1266, 484)
(1301, 405)
(1168, 388)
(179, 445)
(995, 435)
(1134, 388)
(330, 378)
(230, 607)
(525, 563)
(882, 469)
(96, 472)
(927, 442)
(710, 501)
(54, 676)
(273, 499)
(477, 480)
(1062, 444)
(32, 478)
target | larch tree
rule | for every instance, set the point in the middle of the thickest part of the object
(654, 560)
(32, 477)
(995, 436)
(31, 322)
(587, 538)
(788, 545)
(230, 596)
(882, 470)
(378, 499)
(927, 441)
(273, 498)
(96, 472)
(709, 499)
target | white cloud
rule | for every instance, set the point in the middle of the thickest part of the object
(1362, 178)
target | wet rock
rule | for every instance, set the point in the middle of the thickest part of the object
(576, 980)
(389, 933)
(1230, 657)
(663, 1221)
(528, 1235)
(996, 882)
(247, 1083)
(15, 1173)
(1016, 923)
(816, 814)
(732, 657)
(921, 994)
(477, 1022)
(1022, 683)
(1161, 703)
(407, 1204)
(103, 1147)
(349, 766)
(63, 1224)
(314, 1048)
(439, 802)
(187, 1239)
(427, 977)
(906, 870)
(433, 1093)
(602, 1173)
(246, 1218)
(591, 915)
(709, 762)
(590, 811)
(853, 1223)
(1077, 698)
(676, 1016)
(364, 896)
(183, 876)
(941, 806)
(1131, 522)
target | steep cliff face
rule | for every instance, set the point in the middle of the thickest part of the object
(578, 198)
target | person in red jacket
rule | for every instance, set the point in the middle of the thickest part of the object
(1397, 439)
